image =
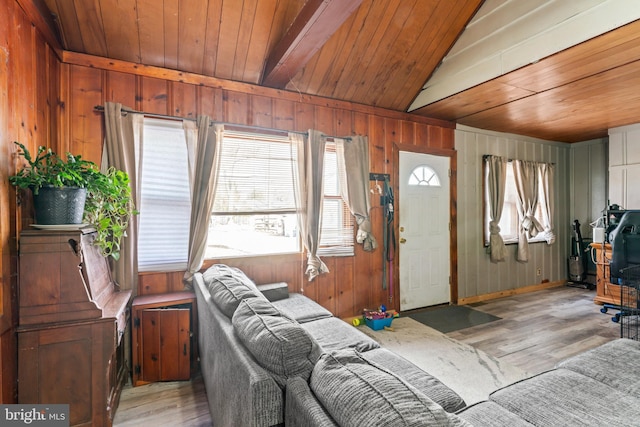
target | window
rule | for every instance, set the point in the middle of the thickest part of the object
(509, 221)
(424, 175)
(165, 205)
(336, 237)
(254, 210)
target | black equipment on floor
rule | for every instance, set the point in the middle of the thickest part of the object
(625, 245)
(577, 262)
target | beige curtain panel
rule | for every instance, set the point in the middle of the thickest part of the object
(309, 194)
(203, 185)
(526, 177)
(547, 175)
(123, 140)
(353, 166)
(496, 180)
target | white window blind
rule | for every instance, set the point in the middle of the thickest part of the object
(254, 209)
(255, 175)
(165, 205)
(337, 222)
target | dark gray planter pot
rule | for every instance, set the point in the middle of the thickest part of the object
(54, 205)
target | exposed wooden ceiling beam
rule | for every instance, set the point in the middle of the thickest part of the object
(313, 26)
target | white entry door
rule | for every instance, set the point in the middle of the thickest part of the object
(424, 250)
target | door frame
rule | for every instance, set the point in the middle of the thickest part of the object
(453, 192)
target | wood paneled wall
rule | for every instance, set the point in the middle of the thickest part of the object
(29, 70)
(477, 275)
(589, 177)
(353, 282)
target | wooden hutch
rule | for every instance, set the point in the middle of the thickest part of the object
(72, 321)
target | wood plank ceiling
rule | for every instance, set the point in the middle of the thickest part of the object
(372, 52)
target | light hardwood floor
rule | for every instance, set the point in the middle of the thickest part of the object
(536, 331)
(539, 329)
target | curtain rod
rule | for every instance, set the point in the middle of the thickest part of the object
(232, 126)
(486, 156)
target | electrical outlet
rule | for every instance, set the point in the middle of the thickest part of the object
(538, 271)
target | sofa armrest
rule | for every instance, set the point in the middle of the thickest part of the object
(239, 391)
(275, 291)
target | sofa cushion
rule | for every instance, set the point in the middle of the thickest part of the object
(565, 398)
(274, 291)
(301, 308)
(612, 363)
(302, 408)
(490, 414)
(433, 388)
(277, 342)
(218, 270)
(227, 291)
(357, 393)
(335, 334)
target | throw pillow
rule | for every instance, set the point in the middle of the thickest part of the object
(357, 393)
(278, 343)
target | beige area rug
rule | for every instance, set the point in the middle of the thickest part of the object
(471, 373)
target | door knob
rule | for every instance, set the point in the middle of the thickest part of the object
(403, 240)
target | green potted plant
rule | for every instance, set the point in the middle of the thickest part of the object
(105, 198)
(58, 186)
(109, 208)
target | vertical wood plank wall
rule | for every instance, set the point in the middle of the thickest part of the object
(477, 275)
(589, 177)
(29, 70)
(353, 282)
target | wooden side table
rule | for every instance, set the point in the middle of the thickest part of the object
(164, 343)
(606, 292)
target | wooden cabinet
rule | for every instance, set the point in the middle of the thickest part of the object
(162, 337)
(606, 292)
(79, 364)
(71, 325)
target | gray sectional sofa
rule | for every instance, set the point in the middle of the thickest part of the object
(270, 357)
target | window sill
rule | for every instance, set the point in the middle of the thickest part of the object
(515, 242)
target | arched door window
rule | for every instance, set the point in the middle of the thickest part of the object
(424, 175)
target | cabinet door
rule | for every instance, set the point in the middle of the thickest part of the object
(166, 344)
(68, 364)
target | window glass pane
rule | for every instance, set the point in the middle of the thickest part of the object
(254, 208)
(424, 175)
(165, 206)
(255, 174)
(245, 235)
(337, 222)
(510, 222)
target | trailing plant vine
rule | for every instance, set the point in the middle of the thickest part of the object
(109, 208)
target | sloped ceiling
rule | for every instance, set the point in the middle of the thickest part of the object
(552, 69)
(373, 52)
(385, 53)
